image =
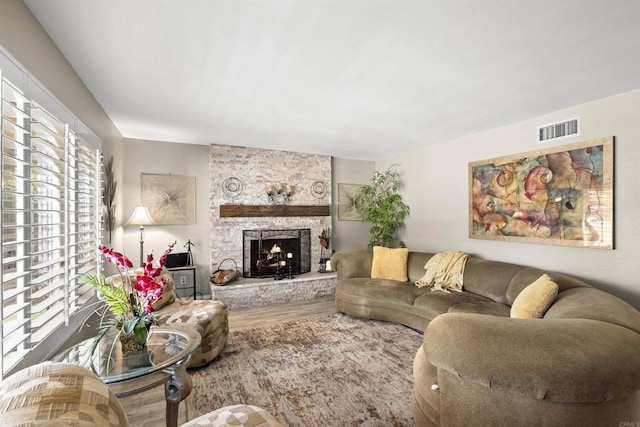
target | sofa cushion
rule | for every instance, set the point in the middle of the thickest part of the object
(489, 278)
(355, 263)
(481, 307)
(432, 304)
(416, 263)
(379, 291)
(535, 299)
(389, 263)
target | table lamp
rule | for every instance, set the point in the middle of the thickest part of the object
(140, 217)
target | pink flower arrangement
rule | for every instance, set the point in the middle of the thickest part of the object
(131, 303)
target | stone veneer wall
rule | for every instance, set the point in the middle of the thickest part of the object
(256, 168)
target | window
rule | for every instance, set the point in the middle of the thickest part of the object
(50, 224)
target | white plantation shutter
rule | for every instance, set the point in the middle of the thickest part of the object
(50, 224)
(16, 261)
(83, 229)
(47, 219)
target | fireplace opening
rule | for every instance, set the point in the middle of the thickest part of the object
(268, 252)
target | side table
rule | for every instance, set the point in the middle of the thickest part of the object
(180, 286)
(168, 351)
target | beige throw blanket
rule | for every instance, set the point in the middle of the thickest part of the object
(445, 272)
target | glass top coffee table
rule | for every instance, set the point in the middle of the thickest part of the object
(168, 350)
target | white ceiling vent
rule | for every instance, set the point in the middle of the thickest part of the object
(559, 130)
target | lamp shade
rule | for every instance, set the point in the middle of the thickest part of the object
(140, 216)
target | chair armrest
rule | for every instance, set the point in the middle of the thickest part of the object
(350, 264)
(563, 360)
(53, 393)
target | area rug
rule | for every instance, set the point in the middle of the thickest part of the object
(329, 371)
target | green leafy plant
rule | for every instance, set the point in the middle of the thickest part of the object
(381, 206)
(128, 304)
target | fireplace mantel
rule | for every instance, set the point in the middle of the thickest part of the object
(237, 211)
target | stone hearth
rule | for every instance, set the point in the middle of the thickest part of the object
(247, 292)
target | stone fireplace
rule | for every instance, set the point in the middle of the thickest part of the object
(268, 252)
(251, 170)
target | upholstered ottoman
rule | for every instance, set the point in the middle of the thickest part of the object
(208, 317)
(236, 415)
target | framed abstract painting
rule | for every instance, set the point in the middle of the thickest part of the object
(560, 196)
(170, 199)
(348, 197)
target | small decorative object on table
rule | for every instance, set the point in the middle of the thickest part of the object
(130, 304)
(190, 257)
(325, 254)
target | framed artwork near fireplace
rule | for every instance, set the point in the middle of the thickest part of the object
(559, 196)
(348, 197)
(170, 199)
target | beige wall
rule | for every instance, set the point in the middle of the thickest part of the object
(349, 234)
(157, 157)
(437, 192)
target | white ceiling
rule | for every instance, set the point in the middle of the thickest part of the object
(355, 79)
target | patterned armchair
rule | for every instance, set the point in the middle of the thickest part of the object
(68, 393)
(62, 394)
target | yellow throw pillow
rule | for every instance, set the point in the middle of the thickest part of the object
(390, 264)
(535, 299)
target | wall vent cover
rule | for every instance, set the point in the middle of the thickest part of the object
(559, 130)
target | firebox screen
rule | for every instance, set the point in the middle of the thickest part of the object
(272, 252)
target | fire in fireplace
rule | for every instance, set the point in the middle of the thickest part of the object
(270, 252)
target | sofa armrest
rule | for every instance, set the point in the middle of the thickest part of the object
(562, 360)
(355, 263)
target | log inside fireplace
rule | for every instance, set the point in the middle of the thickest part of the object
(264, 250)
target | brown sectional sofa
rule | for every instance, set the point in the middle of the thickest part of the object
(578, 365)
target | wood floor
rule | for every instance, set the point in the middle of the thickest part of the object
(271, 315)
(148, 409)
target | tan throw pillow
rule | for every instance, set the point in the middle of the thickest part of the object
(535, 299)
(390, 264)
(168, 292)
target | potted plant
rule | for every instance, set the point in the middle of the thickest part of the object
(381, 206)
(129, 302)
